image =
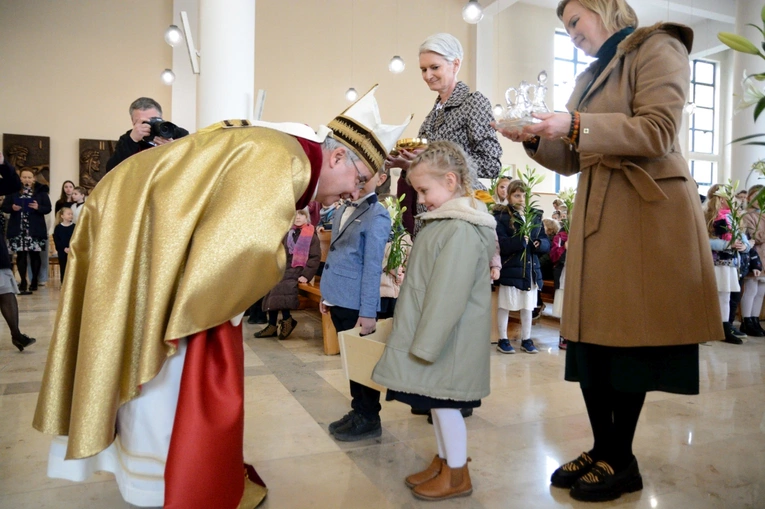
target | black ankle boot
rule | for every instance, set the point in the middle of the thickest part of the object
(756, 323)
(751, 327)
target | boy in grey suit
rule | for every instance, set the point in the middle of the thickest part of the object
(350, 288)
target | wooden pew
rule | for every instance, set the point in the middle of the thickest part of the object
(311, 291)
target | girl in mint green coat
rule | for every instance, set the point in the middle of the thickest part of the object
(437, 356)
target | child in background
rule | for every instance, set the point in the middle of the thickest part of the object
(520, 277)
(78, 196)
(62, 236)
(437, 355)
(303, 255)
(500, 192)
(724, 254)
(753, 293)
(558, 257)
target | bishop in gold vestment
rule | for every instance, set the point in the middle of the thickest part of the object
(165, 256)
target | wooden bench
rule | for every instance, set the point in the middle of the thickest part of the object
(311, 291)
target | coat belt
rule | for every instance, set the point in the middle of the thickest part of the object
(601, 168)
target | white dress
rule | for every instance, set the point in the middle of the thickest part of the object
(513, 299)
(557, 310)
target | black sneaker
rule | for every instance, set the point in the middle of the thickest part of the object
(737, 332)
(601, 483)
(359, 428)
(334, 426)
(567, 474)
(729, 336)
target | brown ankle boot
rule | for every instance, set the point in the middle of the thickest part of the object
(449, 483)
(426, 475)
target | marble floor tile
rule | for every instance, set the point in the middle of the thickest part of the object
(705, 451)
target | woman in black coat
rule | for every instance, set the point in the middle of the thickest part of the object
(521, 276)
(27, 231)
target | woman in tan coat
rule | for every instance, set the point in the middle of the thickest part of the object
(634, 311)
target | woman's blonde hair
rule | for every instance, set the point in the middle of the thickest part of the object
(444, 157)
(615, 14)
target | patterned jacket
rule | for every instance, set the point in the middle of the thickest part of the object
(464, 120)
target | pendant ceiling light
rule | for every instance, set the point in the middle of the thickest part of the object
(396, 65)
(473, 12)
(351, 94)
(173, 35)
(168, 77)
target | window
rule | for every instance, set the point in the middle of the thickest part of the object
(702, 123)
(703, 94)
(569, 63)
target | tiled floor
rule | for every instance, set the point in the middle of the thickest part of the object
(695, 452)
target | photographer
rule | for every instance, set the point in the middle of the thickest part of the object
(142, 110)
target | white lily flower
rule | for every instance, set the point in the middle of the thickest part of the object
(752, 94)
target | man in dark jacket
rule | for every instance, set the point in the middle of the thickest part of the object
(10, 183)
(141, 111)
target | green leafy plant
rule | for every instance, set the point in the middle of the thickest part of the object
(754, 94)
(529, 220)
(567, 196)
(399, 246)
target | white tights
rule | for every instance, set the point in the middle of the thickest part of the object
(502, 319)
(724, 298)
(451, 436)
(752, 297)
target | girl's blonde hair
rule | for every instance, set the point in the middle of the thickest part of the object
(60, 214)
(444, 157)
(304, 213)
(495, 195)
(552, 227)
(615, 14)
(712, 207)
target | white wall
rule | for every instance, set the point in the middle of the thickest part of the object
(69, 70)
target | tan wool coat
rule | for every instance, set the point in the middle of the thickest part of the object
(639, 269)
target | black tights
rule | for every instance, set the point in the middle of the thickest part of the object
(274, 315)
(613, 416)
(10, 310)
(21, 263)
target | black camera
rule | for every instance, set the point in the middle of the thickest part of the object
(164, 129)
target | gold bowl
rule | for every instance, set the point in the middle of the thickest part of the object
(408, 144)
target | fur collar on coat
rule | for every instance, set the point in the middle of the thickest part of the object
(681, 32)
(466, 208)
